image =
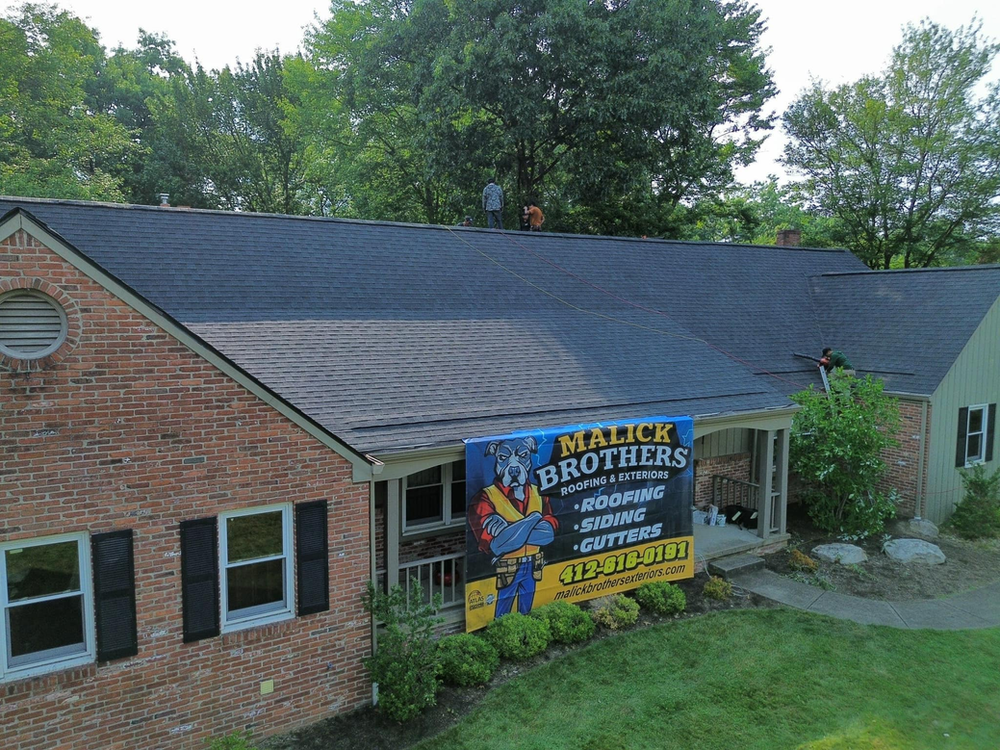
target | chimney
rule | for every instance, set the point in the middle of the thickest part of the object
(164, 200)
(789, 238)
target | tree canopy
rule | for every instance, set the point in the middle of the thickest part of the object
(908, 162)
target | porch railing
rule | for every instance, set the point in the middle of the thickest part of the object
(442, 575)
(729, 491)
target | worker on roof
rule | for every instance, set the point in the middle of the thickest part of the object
(836, 360)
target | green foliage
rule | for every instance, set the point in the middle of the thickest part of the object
(661, 597)
(233, 741)
(405, 664)
(615, 612)
(718, 588)
(518, 637)
(978, 515)
(467, 660)
(567, 622)
(907, 162)
(836, 449)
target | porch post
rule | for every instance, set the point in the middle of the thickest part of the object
(765, 462)
(393, 506)
(782, 476)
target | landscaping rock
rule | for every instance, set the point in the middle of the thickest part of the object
(918, 527)
(845, 554)
(914, 551)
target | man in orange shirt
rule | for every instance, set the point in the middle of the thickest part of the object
(535, 217)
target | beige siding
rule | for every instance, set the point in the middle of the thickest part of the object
(723, 443)
(973, 379)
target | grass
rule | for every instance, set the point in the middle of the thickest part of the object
(765, 679)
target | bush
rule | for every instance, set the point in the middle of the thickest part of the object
(661, 597)
(799, 560)
(978, 515)
(518, 637)
(567, 622)
(615, 612)
(467, 660)
(234, 741)
(405, 663)
(718, 588)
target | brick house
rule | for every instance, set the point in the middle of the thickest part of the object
(215, 428)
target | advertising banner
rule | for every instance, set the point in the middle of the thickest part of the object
(573, 513)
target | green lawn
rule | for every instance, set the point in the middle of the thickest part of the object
(751, 679)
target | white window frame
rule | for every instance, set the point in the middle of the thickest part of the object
(447, 520)
(60, 658)
(985, 409)
(264, 614)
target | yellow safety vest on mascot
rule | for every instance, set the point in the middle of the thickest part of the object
(510, 514)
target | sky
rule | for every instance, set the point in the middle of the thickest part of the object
(833, 41)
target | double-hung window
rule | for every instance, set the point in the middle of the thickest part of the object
(975, 435)
(255, 561)
(434, 498)
(47, 605)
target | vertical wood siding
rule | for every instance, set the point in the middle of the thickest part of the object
(973, 379)
(723, 443)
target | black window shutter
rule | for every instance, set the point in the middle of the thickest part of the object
(991, 427)
(199, 579)
(312, 559)
(963, 429)
(114, 595)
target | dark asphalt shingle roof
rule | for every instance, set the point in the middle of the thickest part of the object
(395, 336)
(907, 327)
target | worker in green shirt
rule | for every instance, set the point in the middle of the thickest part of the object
(833, 360)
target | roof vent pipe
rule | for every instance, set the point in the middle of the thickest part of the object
(165, 200)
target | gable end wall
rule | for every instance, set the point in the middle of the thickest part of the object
(127, 428)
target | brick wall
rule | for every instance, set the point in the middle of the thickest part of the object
(445, 543)
(735, 466)
(904, 461)
(126, 428)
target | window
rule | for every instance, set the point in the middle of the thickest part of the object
(32, 324)
(47, 605)
(975, 434)
(256, 568)
(434, 498)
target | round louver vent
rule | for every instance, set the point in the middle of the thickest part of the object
(32, 324)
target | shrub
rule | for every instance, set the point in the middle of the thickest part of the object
(405, 663)
(234, 741)
(837, 443)
(467, 660)
(661, 597)
(799, 560)
(978, 515)
(718, 588)
(567, 622)
(518, 637)
(615, 612)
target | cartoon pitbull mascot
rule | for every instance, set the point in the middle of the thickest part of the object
(511, 520)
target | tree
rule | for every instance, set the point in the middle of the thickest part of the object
(610, 112)
(908, 162)
(836, 448)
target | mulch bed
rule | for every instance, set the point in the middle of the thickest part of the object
(367, 728)
(969, 565)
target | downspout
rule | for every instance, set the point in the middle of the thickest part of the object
(918, 500)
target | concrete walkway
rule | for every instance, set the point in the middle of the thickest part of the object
(973, 609)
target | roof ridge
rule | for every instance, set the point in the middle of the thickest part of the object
(885, 271)
(413, 225)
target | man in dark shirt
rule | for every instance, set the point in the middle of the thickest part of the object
(833, 360)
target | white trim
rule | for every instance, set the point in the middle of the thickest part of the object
(982, 432)
(266, 613)
(447, 521)
(58, 658)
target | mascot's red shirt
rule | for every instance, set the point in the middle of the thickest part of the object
(481, 508)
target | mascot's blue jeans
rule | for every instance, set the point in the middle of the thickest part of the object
(523, 587)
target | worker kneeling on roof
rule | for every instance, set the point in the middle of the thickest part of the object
(836, 360)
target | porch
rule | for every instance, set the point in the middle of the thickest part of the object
(420, 513)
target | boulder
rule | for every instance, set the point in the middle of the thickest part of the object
(910, 527)
(845, 554)
(914, 551)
